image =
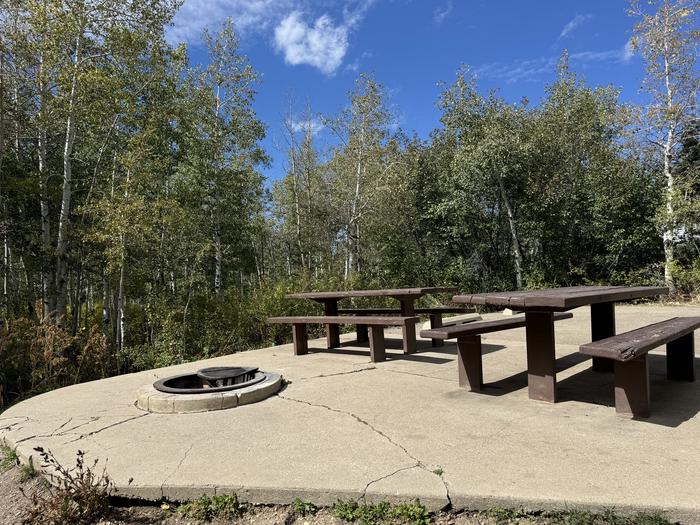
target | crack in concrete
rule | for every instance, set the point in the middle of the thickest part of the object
(419, 375)
(175, 470)
(364, 492)
(418, 462)
(356, 371)
(82, 436)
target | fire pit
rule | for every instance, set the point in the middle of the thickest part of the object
(208, 389)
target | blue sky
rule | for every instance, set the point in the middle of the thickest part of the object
(312, 50)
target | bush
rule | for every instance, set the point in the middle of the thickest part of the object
(78, 496)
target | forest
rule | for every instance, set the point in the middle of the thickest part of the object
(138, 230)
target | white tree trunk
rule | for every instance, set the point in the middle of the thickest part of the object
(64, 218)
(47, 281)
(517, 254)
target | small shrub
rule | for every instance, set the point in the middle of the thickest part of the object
(78, 496)
(207, 508)
(303, 508)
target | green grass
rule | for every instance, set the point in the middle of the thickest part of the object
(27, 471)
(8, 457)
(503, 516)
(207, 508)
(383, 512)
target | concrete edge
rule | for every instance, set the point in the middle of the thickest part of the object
(326, 498)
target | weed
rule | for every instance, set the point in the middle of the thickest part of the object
(27, 472)
(78, 496)
(207, 508)
(378, 513)
(414, 513)
(438, 471)
(502, 515)
(303, 508)
(8, 457)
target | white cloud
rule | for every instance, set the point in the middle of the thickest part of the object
(440, 14)
(628, 51)
(530, 70)
(573, 24)
(518, 71)
(623, 54)
(313, 124)
(248, 16)
(322, 45)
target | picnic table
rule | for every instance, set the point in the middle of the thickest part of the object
(539, 307)
(406, 296)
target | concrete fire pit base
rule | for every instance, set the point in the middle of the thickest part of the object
(152, 400)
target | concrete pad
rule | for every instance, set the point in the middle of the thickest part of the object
(344, 427)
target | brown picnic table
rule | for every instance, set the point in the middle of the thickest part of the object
(539, 307)
(406, 296)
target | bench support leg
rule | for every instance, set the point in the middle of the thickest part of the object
(362, 336)
(409, 337)
(469, 363)
(680, 358)
(301, 339)
(632, 387)
(377, 350)
(332, 330)
(436, 322)
(541, 358)
(602, 326)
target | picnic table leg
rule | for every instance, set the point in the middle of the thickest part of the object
(330, 307)
(602, 326)
(632, 387)
(362, 336)
(377, 350)
(680, 358)
(301, 339)
(541, 358)
(470, 370)
(436, 322)
(409, 330)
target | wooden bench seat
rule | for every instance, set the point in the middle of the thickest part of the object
(376, 334)
(434, 313)
(469, 361)
(629, 353)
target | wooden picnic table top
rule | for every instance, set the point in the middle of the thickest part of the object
(561, 298)
(391, 292)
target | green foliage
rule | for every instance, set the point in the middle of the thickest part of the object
(76, 496)
(8, 457)
(383, 512)
(27, 471)
(303, 508)
(207, 508)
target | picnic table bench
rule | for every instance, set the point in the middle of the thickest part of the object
(406, 297)
(629, 353)
(377, 347)
(434, 314)
(469, 361)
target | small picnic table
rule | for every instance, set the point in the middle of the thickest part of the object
(539, 307)
(406, 296)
